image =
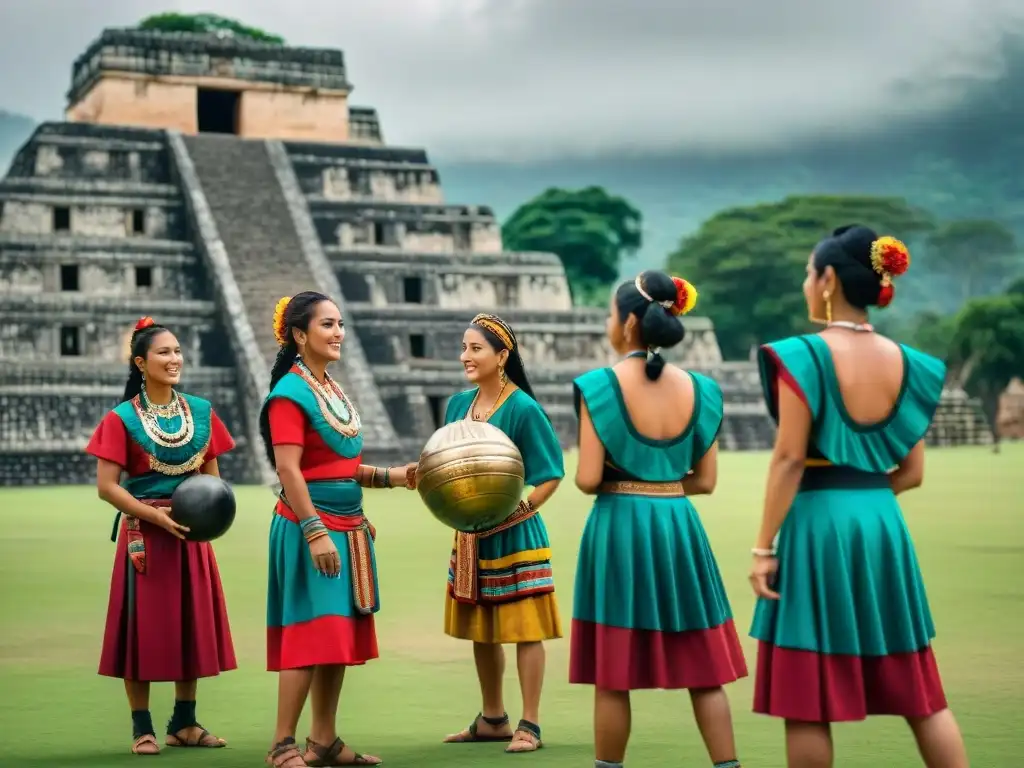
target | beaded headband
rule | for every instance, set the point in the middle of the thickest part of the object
(498, 327)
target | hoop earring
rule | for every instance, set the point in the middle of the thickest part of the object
(827, 320)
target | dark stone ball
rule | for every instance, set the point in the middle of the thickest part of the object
(205, 505)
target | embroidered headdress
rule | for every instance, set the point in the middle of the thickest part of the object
(498, 327)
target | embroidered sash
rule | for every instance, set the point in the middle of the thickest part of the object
(339, 503)
(466, 584)
(154, 490)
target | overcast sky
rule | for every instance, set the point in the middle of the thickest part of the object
(530, 78)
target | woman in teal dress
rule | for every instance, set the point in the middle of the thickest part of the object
(842, 619)
(500, 586)
(650, 610)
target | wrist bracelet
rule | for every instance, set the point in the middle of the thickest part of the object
(387, 477)
(316, 535)
(758, 552)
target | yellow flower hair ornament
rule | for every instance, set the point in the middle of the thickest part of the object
(280, 330)
(686, 297)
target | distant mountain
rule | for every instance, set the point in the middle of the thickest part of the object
(965, 162)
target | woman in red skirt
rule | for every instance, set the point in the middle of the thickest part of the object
(166, 619)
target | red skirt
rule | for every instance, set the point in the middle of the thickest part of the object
(169, 623)
(834, 688)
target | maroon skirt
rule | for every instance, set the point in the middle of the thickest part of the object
(169, 623)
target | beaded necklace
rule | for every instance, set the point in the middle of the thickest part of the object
(334, 404)
(150, 414)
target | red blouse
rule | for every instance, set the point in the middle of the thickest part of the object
(110, 442)
(290, 426)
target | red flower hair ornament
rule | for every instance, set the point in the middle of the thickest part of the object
(890, 258)
(144, 323)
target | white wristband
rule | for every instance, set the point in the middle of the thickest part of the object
(762, 552)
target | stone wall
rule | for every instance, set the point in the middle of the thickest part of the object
(93, 235)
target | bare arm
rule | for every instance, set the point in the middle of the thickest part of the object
(287, 458)
(704, 477)
(542, 493)
(787, 465)
(108, 487)
(211, 468)
(910, 473)
(590, 467)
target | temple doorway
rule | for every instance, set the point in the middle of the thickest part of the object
(217, 110)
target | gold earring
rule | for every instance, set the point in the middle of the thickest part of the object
(501, 374)
(827, 320)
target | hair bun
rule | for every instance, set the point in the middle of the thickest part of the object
(144, 322)
(280, 329)
(686, 297)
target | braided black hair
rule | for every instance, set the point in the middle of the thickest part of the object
(659, 328)
(299, 314)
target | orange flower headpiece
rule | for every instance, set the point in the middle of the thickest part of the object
(280, 329)
(890, 258)
(686, 296)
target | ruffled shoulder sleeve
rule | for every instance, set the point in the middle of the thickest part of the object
(792, 362)
(709, 414)
(110, 441)
(642, 457)
(874, 447)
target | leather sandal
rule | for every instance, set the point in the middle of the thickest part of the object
(145, 745)
(526, 738)
(285, 755)
(472, 734)
(324, 756)
(202, 739)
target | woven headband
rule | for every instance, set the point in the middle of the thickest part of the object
(498, 327)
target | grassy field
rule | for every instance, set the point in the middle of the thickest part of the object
(968, 522)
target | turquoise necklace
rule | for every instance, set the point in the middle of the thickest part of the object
(636, 353)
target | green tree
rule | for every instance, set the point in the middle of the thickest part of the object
(978, 255)
(590, 230)
(206, 22)
(748, 263)
(927, 330)
(987, 350)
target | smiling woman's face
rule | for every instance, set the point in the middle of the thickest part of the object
(478, 357)
(163, 361)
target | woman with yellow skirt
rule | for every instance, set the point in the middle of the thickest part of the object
(500, 585)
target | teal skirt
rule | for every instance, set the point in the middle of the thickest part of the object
(650, 609)
(850, 634)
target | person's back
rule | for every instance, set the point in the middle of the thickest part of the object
(842, 620)
(650, 609)
(661, 409)
(870, 372)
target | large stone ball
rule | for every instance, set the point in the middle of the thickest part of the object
(470, 476)
(205, 505)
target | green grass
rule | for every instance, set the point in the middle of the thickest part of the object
(55, 567)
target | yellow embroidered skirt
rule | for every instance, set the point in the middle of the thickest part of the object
(514, 587)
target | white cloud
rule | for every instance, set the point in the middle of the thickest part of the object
(525, 78)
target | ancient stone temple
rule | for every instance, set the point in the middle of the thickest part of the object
(199, 178)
